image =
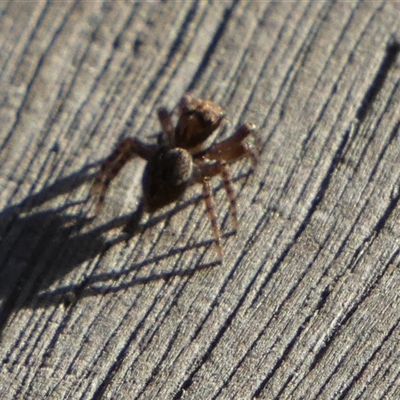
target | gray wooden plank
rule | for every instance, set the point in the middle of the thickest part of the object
(305, 303)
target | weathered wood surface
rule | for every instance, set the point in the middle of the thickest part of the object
(306, 304)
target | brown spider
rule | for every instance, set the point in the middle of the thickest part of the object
(178, 159)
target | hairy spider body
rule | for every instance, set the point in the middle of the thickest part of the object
(166, 177)
(179, 159)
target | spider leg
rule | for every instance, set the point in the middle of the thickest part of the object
(124, 152)
(230, 192)
(234, 147)
(210, 207)
(166, 125)
(204, 173)
(222, 168)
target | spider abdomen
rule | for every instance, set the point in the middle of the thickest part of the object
(166, 177)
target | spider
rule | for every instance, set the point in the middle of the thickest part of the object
(179, 159)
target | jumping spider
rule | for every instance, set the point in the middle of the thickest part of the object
(178, 160)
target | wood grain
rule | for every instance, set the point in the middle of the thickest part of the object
(306, 304)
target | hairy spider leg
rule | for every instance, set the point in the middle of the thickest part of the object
(230, 192)
(234, 147)
(210, 208)
(124, 152)
(222, 168)
(166, 125)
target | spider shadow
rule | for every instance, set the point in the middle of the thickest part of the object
(77, 249)
(28, 236)
(38, 248)
(104, 283)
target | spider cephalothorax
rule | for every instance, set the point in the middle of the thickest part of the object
(179, 160)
